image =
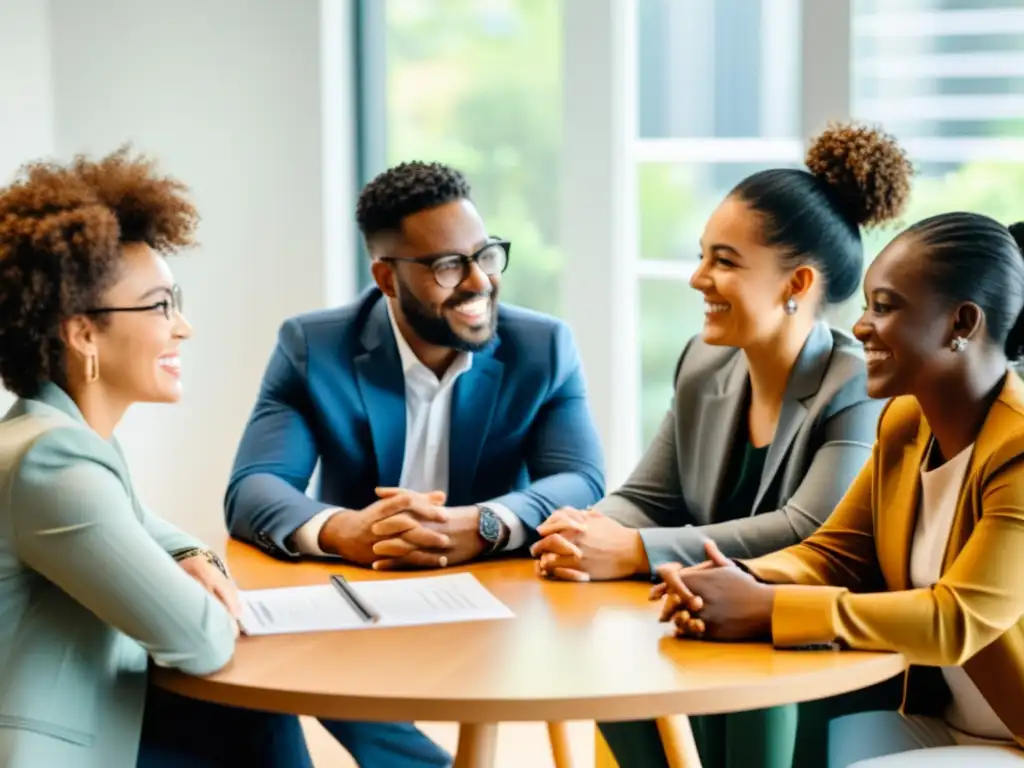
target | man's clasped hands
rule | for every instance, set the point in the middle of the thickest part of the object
(404, 529)
(715, 599)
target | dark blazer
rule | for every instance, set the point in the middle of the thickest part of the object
(823, 438)
(334, 392)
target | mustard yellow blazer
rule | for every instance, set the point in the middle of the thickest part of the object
(849, 583)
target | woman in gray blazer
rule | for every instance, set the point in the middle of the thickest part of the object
(771, 420)
(94, 586)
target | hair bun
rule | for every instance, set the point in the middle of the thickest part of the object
(1017, 230)
(866, 169)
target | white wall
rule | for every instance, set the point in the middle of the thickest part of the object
(250, 103)
(26, 99)
(26, 96)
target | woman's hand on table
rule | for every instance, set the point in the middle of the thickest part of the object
(715, 600)
(584, 545)
(678, 602)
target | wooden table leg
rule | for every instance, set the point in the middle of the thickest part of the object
(558, 733)
(677, 740)
(477, 744)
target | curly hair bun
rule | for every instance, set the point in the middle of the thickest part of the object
(866, 169)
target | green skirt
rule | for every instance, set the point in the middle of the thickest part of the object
(792, 736)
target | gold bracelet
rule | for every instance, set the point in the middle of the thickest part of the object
(211, 557)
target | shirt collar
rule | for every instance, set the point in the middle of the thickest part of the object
(410, 363)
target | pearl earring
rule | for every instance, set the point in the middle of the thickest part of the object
(958, 344)
(790, 306)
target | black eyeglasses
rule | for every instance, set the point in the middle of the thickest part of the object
(450, 269)
(168, 306)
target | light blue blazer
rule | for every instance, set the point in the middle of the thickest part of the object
(88, 593)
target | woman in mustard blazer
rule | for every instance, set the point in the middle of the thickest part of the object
(923, 555)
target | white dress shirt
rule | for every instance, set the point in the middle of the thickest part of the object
(428, 408)
(971, 719)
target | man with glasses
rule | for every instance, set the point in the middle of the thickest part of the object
(446, 426)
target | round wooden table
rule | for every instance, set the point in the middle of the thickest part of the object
(573, 652)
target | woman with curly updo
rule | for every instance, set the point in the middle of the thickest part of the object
(94, 586)
(770, 421)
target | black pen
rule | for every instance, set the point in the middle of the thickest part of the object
(360, 606)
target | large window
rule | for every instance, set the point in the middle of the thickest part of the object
(947, 78)
(720, 94)
(599, 135)
(717, 96)
(477, 84)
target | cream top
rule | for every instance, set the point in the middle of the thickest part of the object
(968, 714)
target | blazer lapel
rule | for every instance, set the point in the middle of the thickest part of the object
(382, 387)
(804, 382)
(899, 519)
(474, 397)
(721, 414)
(791, 417)
(989, 438)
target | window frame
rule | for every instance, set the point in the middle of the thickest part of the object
(369, 57)
(601, 154)
(600, 213)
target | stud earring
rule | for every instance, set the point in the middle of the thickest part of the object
(790, 306)
(92, 368)
(958, 344)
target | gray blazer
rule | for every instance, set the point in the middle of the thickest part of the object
(824, 436)
(88, 592)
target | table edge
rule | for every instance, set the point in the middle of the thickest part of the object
(760, 693)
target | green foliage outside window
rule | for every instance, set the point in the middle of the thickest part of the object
(477, 84)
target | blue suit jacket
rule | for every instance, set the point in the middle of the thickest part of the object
(334, 391)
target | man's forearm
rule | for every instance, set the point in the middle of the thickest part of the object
(265, 510)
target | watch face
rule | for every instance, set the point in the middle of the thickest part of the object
(490, 528)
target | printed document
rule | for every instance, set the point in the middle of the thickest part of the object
(341, 604)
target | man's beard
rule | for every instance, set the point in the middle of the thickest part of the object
(436, 330)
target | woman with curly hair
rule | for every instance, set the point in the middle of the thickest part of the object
(93, 585)
(771, 419)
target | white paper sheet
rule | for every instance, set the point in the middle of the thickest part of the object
(399, 602)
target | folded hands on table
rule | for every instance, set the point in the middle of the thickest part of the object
(714, 600)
